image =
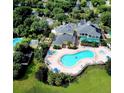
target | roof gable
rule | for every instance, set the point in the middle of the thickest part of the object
(88, 29)
(60, 39)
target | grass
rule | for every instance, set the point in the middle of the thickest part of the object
(93, 80)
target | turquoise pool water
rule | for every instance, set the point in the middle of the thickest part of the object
(16, 40)
(72, 59)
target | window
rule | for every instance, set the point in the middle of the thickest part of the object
(82, 33)
(90, 36)
(97, 37)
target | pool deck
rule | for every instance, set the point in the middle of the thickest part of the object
(99, 58)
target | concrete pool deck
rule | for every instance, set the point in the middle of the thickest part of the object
(99, 58)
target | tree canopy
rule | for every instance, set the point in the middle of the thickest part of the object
(97, 2)
(18, 57)
(106, 18)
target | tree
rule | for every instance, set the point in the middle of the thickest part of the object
(101, 26)
(39, 26)
(50, 5)
(40, 4)
(17, 20)
(51, 78)
(60, 17)
(46, 12)
(97, 2)
(22, 30)
(89, 14)
(38, 54)
(24, 11)
(28, 22)
(108, 66)
(54, 78)
(103, 43)
(23, 47)
(68, 78)
(35, 26)
(51, 35)
(106, 19)
(18, 57)
(16, 69)
(57, 11)
(43, 23)
(15, 2)
(58, 80)
(69, 43)
(104, 8)
(76, 13)
(20, 14)
(31, 3)
(55, 24)
(83, 3)
(56, 47)
(66, 5)
(41, 74)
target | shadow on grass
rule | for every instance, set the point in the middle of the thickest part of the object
(27, 70)
(86, 69)
(36, 89)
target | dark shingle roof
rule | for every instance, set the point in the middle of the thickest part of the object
(88, 29)
(82, 27)
(60, 39)
(68, 28)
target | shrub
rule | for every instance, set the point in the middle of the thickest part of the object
(51, 35)
(18, 57)
(41, 74)
(59, 79)
(103, 43)
(23, 46)
(83, 3)
(56, 79)
(97, 2)
(58, 82)
(92, 44)
(72, 47)
(106, 19)
(108, 66)
(56, 47)
(38, 54)
(21, 55)
(24, 11)
(16, 69)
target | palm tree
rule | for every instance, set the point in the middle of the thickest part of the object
(69, 79)
(69, 43)
(102, 27)
(76, 38)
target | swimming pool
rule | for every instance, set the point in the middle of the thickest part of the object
(16, 40)
(70, 60)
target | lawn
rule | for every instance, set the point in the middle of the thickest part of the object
(93, 80)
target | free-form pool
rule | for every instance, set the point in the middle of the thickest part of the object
(71, 59)
(16, 40)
